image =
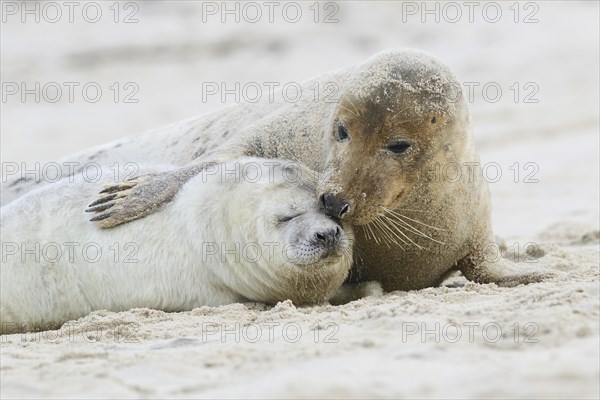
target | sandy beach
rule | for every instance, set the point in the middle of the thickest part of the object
(459, 340)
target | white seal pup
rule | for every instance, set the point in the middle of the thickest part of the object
(247, 230)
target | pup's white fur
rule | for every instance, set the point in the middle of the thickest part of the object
(221, 240)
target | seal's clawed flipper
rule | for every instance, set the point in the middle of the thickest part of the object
(494, 269)
(129, 200)
(138, 197)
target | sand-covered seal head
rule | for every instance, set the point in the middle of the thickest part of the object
(275, 241)
(402, 111)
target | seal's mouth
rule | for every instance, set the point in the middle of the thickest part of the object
(306, 254)
(366, 212)
(397, 198)
(321, 249)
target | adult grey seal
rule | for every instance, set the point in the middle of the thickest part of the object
(394, 120)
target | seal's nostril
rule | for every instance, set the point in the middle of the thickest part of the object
(327, 200)
(320, 236)
(344, 210)
(334, 206)
(338, 231)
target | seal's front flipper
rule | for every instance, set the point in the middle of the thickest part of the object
(491, 268)
(129, 200)
(140, 196)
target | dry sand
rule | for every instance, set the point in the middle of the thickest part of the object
(459, 340)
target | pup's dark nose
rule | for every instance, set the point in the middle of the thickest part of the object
(334, 207)
(328, 237)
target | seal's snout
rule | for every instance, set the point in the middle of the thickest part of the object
(328, 237)
(334, 206)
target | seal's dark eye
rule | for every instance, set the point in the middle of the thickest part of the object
(286, 218)
(399, 148)
(342, 133)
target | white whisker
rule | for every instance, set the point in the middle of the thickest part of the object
(392, 212)
(400, 232)
(347, 109)
(391, 232)
(412, 228)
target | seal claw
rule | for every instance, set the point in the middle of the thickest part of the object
(100, 207)
(103, 200)
(101, 217)
(118, 187)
